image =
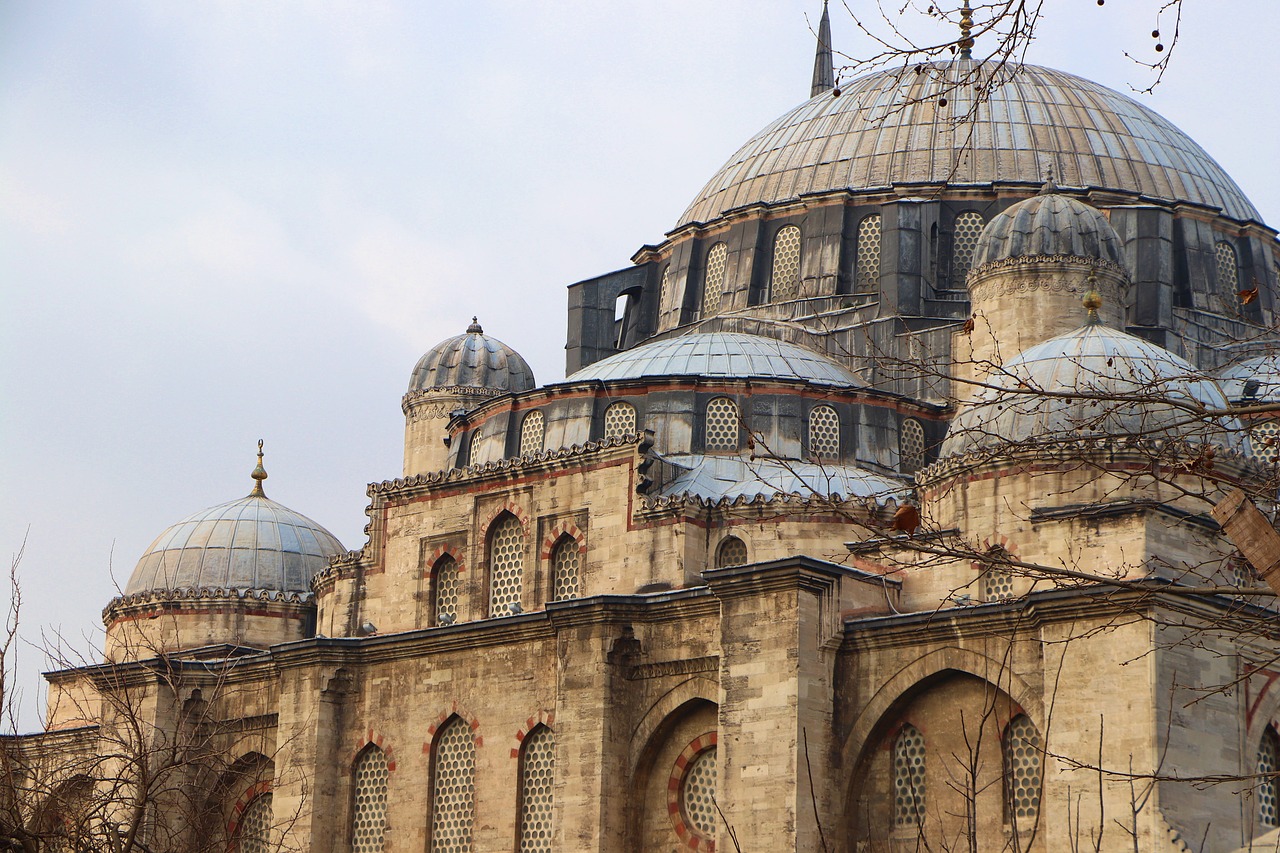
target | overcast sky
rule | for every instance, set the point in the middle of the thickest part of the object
(226, 221)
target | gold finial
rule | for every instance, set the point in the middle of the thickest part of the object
(1092, 300)
(259, 474)
(966, 29)
(1050, 185)
(474, 328)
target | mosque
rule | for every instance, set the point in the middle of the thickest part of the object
(872, 515)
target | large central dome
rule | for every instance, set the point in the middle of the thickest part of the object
(889, 128)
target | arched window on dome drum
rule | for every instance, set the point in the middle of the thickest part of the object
(1267, 792)
(664, 295)
(537, 784)
(866, 264)
(908, 777)
(453, 770)
(964, 242)
(369, 800)
(824, 433)
(713, 279)
(619, 420)
(1227, 268)
(253, 834)
(1023, 760)
(911, 445)
(532, 433)
(446, 590)
(506, 565)
(784, 278)
(566, 569)
(720, 427)
(732, 552)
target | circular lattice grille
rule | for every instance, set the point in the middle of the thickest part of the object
(565, 568)
(1264, 438)
(784, 280)
(911, 445)
(1022, 756)
(963, 243)
(722, 424)
(532, 430)
(254, 834)
(698, 794)
(997, 584)
(867, 261)
(824, 433)
(733, 552)
(619, 420)
(537, 776)
(453, 789)
(908, 777)
(664, 292)
(1268, 766)
(506, 565)
(1228, 267)
(713, 281)
(369, 817)
(448, 586)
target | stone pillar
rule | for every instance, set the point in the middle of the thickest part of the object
(311, 768)
(902, 252)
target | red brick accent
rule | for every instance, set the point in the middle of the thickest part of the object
(991, 543)
(518, 511)
(372, 738)
(543, 718)
(472, 722)
(559, 531)
(451, 549)
(250, 793)
(688, 834)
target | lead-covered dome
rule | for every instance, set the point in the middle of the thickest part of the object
(472, 360)
(1049, 224)
(890, 128)
(1253, 380)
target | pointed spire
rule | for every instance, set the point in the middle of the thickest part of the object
(824, 70)
(259, 474)
(966, 32)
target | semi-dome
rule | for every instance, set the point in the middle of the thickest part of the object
(1049, 224)
(720, 355)
(472, 360)
(1094, 382)
(891, 127)
(1253, 380)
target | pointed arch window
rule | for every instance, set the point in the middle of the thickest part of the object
(964, 243)
(1022, 772)
(453, 788)
(824, 433)
(784, 278)
(997, 578)
(721, 425)
(532, 433)
(369, 809)
(446, 591)
(908, 777)
(732, 552)
(566, 569)
(866, 263)
(253, 834)
(713, 280)
(537, 784)
(664, 291)
(506, 565)
(619, 420)
(911, 445)
(1268, 790)
(1228, 267)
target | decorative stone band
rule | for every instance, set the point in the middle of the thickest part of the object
(788, 503)
(1006, 264)
(197, 598)
(425, 404)
(340, 566)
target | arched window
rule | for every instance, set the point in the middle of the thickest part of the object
(453, 788)
(664, 291)
(997, 579)
(721, 425)
(911, 445)
(537, 783)
(619, 420)
(964, 241)
(532, 432)
(253, 833)
(506, 565)
(698, 794)
(784, 278)
(1264, 438)
(566, 564)
(1268, 791)
(866, 263)
(824, 433)
(713, 280)
(369, 808)
(1228, 267)
(446, 589)
(732, 552)
(1022, 771)
(908, 777)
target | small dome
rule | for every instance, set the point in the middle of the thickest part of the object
(1253, 380)
(1126, 387)
(720, 355)
(250, 543)
(472, 360)
(1048, 224)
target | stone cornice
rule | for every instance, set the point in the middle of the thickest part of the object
(413, 399)
(188, 597)
(788, 573)
(1033, 261)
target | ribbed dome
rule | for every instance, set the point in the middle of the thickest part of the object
(720, 355)
(1255, 379)
(887, 128)
(1049, 224)
(472, 360)
(250, 543)
(1126, 387)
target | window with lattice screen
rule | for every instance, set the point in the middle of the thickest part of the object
(566, 569)
(369, 809)
(784, 278)
(732, 552)
(532, 432)
(824, 433)
(537, 781)
(446, 591)
(506, 565)
(1228, 266)
(713, 279)
(1267, 791)
(866, 263)
(1264, 439)
(964, 243)
(997, 583)
(1022, 771)
(698, 795)
(908, 777)
(721, 425)
(664, 292)
(911, 445)
(453, 788)
(619, 420)
(253, 835)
